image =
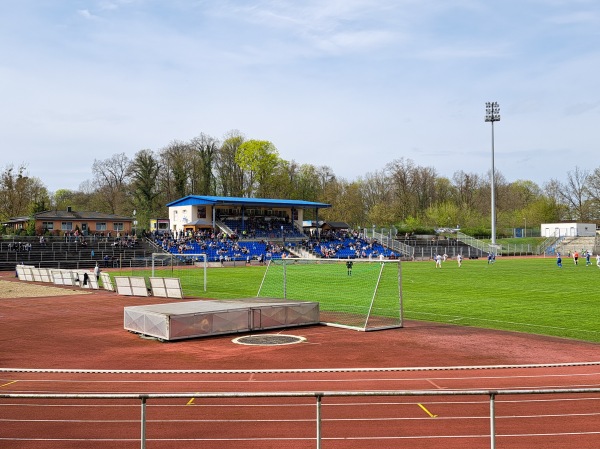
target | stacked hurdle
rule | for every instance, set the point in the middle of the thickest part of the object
(123, 285)
(75, 278)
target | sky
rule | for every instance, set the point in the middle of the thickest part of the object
(348, 84)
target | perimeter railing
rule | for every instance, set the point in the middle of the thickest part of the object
(390, 242)
(484, 247)
(318, 396)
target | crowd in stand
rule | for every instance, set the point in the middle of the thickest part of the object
(18, 246)
(348, 244)
(219, 246)
(261, 227)
(223, 247)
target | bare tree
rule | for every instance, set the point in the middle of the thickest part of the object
(111, 177)
(205, 149)
(230, 176)
(467, 186)
(593, 192)
(425, 187)
(377, 189)
(574, 194)
(174, 176)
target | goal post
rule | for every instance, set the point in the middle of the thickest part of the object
(191, 269)
(359, 294)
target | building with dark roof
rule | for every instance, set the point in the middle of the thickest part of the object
(59, 222)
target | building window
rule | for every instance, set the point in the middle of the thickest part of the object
(48, 225)
(118, 226)
(66, 226)
(100, 226)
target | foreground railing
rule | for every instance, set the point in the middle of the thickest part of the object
(144, 398)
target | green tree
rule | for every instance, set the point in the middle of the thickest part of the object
(20, 194)
(63, 198)
(347, 201)
(447, 215)
(307, 186)
(144, 170)
(258, 159)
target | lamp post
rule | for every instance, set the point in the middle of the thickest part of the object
(492, 114)
(525, 229)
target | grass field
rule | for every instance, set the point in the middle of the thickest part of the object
(529, 295)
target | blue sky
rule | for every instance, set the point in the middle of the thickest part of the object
(351, 84)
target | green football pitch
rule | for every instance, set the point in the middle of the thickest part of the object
(529, 295)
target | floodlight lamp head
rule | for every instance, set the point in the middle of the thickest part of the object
(492, 111)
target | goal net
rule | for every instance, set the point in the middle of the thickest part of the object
(357, 294)
(189, 268)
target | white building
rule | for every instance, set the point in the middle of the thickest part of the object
(195, 212)
(568, 229)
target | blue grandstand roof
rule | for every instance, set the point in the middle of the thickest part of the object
(198, 200)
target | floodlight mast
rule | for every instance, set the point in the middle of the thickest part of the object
(492, 114)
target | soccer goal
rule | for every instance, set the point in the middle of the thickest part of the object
(189, 268)
(359, 294)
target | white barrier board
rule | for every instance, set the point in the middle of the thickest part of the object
(131, 286)
(166, 287)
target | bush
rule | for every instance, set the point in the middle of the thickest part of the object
(414, 230)
(478, 233)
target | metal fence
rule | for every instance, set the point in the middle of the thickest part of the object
(144, 399)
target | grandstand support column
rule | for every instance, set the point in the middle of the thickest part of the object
(492, 114)
(214, 219)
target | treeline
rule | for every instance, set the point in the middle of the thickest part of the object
(401, 194)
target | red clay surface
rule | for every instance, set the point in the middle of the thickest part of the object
(85, 332)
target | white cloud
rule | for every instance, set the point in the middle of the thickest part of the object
(86, 14)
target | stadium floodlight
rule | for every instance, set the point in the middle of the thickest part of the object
(492, 114)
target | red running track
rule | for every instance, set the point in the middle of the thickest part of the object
(85, 332)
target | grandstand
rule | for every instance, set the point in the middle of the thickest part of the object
(83, 252)
(255, 245)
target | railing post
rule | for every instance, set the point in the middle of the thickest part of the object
(492, 421)
(319, 421)
(143, 424)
